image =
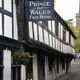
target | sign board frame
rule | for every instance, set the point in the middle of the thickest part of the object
(37, 10)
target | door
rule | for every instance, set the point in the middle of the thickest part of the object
(41, 70)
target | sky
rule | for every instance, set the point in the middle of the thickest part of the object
(67, 8)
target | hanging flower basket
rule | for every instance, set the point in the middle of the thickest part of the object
(21, 57)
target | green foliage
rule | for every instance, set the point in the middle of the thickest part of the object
(76, 31)
(21, 57)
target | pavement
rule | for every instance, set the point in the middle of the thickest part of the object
(74, 74)
(75, 70)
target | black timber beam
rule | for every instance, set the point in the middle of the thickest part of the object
(10, 43)
(39, 47)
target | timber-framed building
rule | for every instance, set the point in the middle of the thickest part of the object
(50, 42)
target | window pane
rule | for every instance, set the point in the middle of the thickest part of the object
(8, 5)
(7, 26)
(0, 24)
(40, 34)
(0, 3)
(30, 30)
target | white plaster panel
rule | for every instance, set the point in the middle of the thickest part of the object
(67, 36)
(72, 40)
(7, 26)
(30, 29)
(61, 32)
(40, 34)
(49, 25)
(8, 5)
(0, 3)
(35, 31)
(53, 26)
(7, 65)
(35, 67)
(0, 24)
(23, 72)
(46, 37)
(54, 43)
(50, 37)
(15, 21)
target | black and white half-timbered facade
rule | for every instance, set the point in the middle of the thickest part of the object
(37, 28)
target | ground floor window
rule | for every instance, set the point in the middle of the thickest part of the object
(16, 73)
(17, 68)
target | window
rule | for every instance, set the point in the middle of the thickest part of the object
(56, 28)
(6, 18)
(15, 73)
(64, 34)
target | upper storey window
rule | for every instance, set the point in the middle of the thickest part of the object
(6, 18)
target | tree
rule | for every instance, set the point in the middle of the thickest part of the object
(76, 31)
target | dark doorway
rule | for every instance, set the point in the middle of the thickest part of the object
(41, 70)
